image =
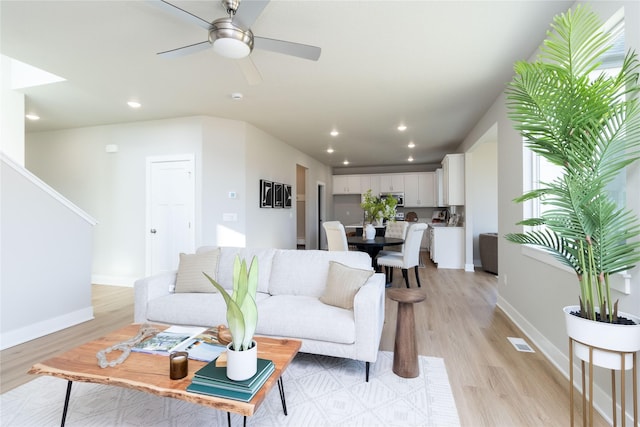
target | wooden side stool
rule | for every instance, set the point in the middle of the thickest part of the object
(405, 351)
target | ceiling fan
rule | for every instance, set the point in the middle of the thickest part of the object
(232, 37)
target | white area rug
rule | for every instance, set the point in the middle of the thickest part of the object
(320, 391)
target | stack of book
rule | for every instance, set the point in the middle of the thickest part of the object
(212, 380)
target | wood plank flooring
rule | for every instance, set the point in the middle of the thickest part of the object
(493, 384)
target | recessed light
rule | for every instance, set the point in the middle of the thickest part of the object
(411, 145)
(237, 96)
(402, 128)
(410, 159)
(329, 150)
(335, 133)
(134, 104)
(32, 116)
(346, 162)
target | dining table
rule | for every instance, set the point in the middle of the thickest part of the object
(373, 246)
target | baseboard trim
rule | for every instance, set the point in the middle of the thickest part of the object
(100, 279)
(44, 327)
(602, 399)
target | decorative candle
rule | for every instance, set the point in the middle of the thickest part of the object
(178, 365)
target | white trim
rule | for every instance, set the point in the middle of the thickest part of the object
(620, 282)
(470, 267)
(47, 189)
(44, 327)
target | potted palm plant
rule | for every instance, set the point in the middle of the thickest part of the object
(242, 318)
(590, 128)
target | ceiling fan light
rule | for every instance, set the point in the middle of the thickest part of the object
(231, 48)
(229, 40)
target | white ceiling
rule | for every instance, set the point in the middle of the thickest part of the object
(436, 66)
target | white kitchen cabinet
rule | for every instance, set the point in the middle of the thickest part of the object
(446, 246)
(453, 180)
(439, 185)
(420, 189)
(392, 183)
(346, 184)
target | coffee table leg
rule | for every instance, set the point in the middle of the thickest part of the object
(66, 403)
(282, 398)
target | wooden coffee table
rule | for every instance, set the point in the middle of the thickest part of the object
(150, 373)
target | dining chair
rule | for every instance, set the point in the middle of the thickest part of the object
(410, 257)
(336, 236)
(397, 229)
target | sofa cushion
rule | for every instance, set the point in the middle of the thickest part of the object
(343, 283)
(304, 317)
(190, 276)
(227, 258)
(195, 309)
(305, 272)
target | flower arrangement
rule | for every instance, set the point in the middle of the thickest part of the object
(377, 208)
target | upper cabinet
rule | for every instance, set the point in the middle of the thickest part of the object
(392, 183)
(420, 189)
(347, 184)
(453, 180)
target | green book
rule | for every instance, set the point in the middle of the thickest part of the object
(260, 380)
(219, 374)
(220, 392)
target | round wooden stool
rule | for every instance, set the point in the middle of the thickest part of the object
(405, 352)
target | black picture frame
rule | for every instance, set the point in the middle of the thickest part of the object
(266, 194)
(287, 196)
(278, 195)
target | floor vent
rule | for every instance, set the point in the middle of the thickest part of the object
(521, 345)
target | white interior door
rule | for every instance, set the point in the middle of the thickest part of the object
(170, 211)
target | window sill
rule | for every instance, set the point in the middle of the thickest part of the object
(620, 282)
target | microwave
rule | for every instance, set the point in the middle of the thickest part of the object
(398, 196)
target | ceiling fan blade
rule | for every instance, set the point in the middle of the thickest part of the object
(248, 12)
(181, 13)
(288, 48)
(250, 71)
(186, 50)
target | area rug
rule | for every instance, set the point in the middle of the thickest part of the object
(320, 391)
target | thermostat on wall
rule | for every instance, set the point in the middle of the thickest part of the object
(232, 194)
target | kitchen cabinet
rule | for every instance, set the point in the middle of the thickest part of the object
(439, 184)
(420, 189)
(446, 246)
(391, 183)
(453, 180)
(346, 184)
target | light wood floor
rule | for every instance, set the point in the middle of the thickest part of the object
(493, 384)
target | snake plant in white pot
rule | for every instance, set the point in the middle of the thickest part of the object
(590, 128)
(242, 317)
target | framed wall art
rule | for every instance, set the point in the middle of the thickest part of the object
(278, 195)
(287, 196)
(266, 194)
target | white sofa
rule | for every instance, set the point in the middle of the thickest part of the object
(290, 285)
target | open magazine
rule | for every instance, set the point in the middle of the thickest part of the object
(201, 343)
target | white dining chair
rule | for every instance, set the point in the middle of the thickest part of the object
(336, 236)
(410, 257)
(397, 229)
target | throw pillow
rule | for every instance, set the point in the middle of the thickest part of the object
(343, 282)
(190, 269)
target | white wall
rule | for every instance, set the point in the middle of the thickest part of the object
(45, 280)
(230, 156)
(532, 292)
(482, 193)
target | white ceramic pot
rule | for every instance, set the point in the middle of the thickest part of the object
(605, 336)
(369, 232)
(242, 365)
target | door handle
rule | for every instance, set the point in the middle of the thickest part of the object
(152, 231)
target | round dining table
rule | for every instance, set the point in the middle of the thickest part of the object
(373, 246)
